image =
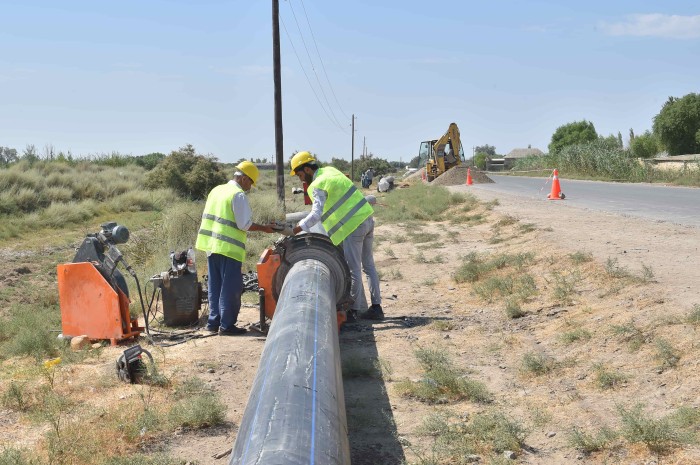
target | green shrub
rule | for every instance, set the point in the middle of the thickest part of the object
(580, 257)
(442, 381)
(666, 354)
(578, 334)
(659, 435)
(630, 334)
(608, 379)
(143, 459)
(58, 215)
(188, 174)
(537, 364)
(12, 456)
(694, 316)
(198, 411)
(513, 309)
(591, 442)
(360, 367)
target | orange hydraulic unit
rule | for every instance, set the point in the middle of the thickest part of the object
(275, 263)
(90, 306)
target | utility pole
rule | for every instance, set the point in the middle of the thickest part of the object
(279, 147)
(352, 153)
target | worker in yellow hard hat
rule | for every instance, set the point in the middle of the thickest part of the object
(222, 235)
(347, 218)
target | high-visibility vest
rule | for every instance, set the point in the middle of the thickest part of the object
(345, 208)
(218, 232)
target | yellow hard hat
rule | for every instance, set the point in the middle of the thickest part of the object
(249, 169)
(300, 159)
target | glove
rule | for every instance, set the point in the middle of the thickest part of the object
(287, 231)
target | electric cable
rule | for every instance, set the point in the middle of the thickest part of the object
(313, 68)
(321, 60)
(307, 77)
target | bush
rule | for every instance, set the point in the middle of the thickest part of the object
(645, 146)
(188, 174)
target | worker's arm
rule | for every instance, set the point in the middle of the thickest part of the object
(314, 215)
(244, 215)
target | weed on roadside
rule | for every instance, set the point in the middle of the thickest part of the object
(666, 354)
(630, 334)
(422, 237)
(443, 325)
(614, 270)
(527, 227)
(513, 309)
(458, 437)
(591, 442)
(581, 257)
(578, 334)
(647, 274)
(694, 315)
(143, 459)
(565, 286)
(441, 382)
(359, 367)
(506, 220)
(537, 364)
(606, 378)
(659, 435)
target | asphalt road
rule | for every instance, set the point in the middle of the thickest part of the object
(679, 205)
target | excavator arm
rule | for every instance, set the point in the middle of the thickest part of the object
(441, 158)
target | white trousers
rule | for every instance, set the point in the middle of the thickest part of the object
(357, 248)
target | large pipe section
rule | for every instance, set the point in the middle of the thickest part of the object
(296, 410)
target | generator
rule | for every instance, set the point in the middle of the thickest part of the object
(181, 292)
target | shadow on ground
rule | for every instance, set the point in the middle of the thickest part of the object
(371, 427)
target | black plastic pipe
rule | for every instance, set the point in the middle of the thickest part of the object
(296, 410)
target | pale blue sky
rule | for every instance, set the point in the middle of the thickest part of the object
(151, 76)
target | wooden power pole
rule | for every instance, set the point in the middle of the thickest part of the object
(352, 153)
(279, 147)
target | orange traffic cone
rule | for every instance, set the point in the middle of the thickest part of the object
(469, 177)
(556, 193)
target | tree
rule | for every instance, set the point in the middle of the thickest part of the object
(489, 150)
(380, 166)
(341, 164)
(7, 155)
(149, 161)
(645, 146)
(678, 125)
(415, 162)
(480, 160)
(187, 173)
(578, 132)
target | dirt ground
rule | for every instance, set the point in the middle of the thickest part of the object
(418, 290)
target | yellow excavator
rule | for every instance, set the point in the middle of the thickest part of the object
(442, 154)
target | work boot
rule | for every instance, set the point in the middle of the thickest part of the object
(374, 313)
(232, 331)
(351, 316)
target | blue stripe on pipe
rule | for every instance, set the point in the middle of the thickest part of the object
(313, 390)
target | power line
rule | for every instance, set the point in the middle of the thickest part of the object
(321, 60)
(313, 68)
(284, 26)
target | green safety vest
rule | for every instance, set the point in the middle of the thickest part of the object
(345, 208)
(219, 232)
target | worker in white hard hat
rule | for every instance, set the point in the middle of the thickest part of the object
(345, 215)
(222, 235)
